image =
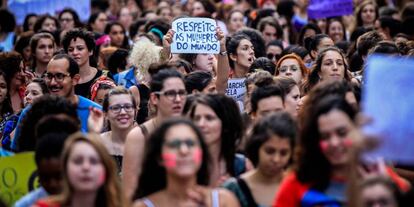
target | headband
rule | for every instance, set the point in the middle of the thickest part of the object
(157, 32)
(102, 40)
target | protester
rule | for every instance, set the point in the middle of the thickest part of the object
(43, 47)
(120, 108)
(222, 129)
(324, 156)
(292, 66)
(270, 147)
(80, 45)
(168, 95)
(89, 177)
(177, 155)
(273, 56)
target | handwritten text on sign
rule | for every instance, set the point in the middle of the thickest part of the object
(195, 35)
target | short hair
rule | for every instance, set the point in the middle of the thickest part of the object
(197, 80)
(42, 83)
(43, 106)
(73, 65)
(50, 146)
(79, 33)
(272, 22)
(265, 92)
(280, 124)
(119, 90)
(158, 79)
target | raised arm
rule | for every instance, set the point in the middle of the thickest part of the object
(223, 66)
(166, 45)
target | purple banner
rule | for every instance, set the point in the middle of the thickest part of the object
(319, 9)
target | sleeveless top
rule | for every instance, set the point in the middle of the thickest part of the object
(215, 201)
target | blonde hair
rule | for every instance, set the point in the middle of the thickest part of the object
(143, 54)
(110, 193)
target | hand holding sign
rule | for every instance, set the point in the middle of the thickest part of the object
(195, 35)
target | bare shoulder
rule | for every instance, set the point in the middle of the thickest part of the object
(227, 198)
(139, 203)
(154, 198)
(135, 135)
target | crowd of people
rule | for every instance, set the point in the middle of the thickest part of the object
(115, 119)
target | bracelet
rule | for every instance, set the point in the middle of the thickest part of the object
(223, 53)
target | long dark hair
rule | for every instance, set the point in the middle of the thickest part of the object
(151, 165)
(231, 125)
(311, 164)
(313, 77)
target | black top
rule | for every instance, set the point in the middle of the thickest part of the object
(84, 89)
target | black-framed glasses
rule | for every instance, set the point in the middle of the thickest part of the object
(176, 144)
(118, 107)
(172, 94)
(59, 77)
(270, 56)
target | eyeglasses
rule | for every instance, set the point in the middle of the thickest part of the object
(271, 56)
(118, 107)
(176, 144)
(172, 94)
(59, 77)
(292, 68)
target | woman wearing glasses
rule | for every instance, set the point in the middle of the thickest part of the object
(120, 108)
(178, 157)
